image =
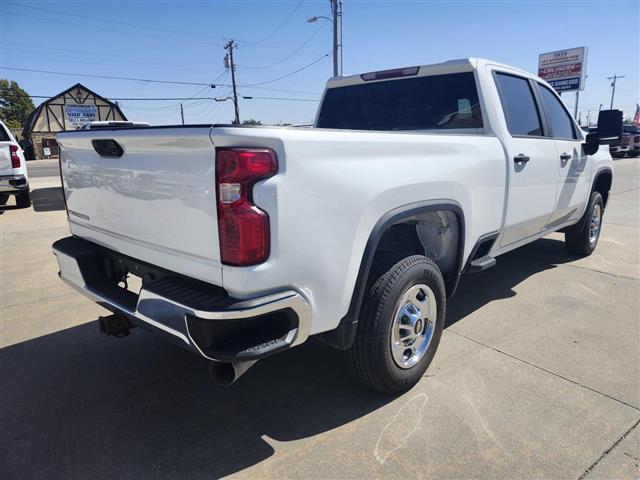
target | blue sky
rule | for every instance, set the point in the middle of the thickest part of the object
(182, 41)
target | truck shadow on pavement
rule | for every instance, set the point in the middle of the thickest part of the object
(478, 289)
(76, 404)
(47, 199)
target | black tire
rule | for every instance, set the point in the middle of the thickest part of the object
(370, 358)
(579, 242)
(23, 199)
(4, 198)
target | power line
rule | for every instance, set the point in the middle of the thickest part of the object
(288, 74)
(146, 80)
(8, 48)
(304, 92)
(163, 99)
(98, 27)
(172, 82)
(286, 20)
(283, 98)
(282, 60)
(116, 22)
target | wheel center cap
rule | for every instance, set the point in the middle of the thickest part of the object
(417, 328)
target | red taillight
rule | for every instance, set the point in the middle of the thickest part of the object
(15, 159)
(242, 227)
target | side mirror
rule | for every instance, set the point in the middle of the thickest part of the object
(609, 131)
(610, 127)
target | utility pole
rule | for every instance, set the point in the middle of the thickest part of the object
(230, 64)
(336, 20)
(336, 10)
(613, 84)
(182, 113)
(575, 111)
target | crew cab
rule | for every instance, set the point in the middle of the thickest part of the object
(246, 241)
(13, 170)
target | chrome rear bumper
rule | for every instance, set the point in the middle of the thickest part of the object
(224, 330)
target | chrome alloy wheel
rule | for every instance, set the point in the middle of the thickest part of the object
(414, 324)
(594, 225)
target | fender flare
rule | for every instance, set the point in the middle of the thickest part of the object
(342, 337)
(578, 227)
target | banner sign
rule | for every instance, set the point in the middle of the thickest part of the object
(79, 115)
(564, 70)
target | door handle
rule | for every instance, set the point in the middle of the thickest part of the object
(565, 156)
(521, 158)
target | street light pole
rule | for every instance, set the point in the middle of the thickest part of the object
(336, 9)
(336, 20)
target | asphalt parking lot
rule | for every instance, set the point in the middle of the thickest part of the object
(537, 376)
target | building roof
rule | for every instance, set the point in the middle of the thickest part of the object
(31, 119)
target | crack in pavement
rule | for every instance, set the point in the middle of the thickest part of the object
(598, 271)
(624, 191)
(544, 369)
(608, 450)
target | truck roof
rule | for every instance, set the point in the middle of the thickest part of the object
(450, 66)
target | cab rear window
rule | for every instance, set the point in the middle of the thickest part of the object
(438, 102)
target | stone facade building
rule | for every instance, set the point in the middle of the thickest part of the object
(69, 110)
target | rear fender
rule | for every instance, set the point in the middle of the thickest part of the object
(342, 337)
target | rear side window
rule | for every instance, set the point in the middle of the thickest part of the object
(4, 136)
(437, 102)
(557, 117)
(519, 106)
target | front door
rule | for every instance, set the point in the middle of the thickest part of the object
(532, 161)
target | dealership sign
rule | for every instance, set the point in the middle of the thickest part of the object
(564, 70)
(79, 115)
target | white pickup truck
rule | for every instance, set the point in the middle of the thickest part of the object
(13, 170)
(245, 241)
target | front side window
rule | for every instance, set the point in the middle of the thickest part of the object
(437, 102)
(558, 119)
(519, 106)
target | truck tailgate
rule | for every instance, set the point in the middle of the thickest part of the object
(5, 159)
(155, 202)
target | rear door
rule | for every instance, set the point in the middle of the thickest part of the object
(532, 160)
(573, 181)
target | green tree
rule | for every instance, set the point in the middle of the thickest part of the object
(15, 104)
(251, 121)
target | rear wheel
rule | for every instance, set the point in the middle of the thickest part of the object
(23, 199)
(3, 199)
(400, 323)
(584, 242)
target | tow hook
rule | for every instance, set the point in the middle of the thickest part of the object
(115, 325)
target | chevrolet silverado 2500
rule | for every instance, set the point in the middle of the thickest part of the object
(245, 241)
(13, 170)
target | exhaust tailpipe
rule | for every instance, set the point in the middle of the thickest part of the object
(226, 373)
